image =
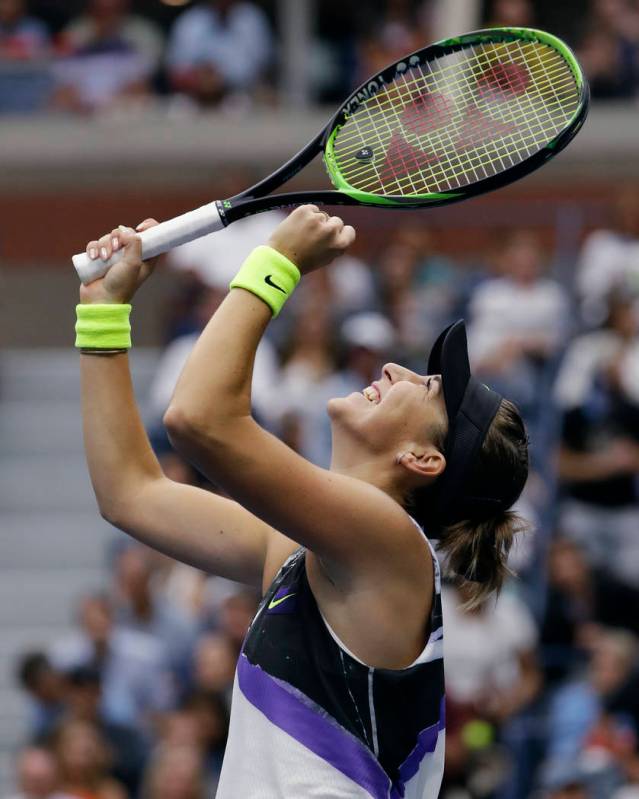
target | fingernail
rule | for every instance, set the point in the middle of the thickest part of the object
(115, 243)
(104, 254)
(93, 253)
(138, 227)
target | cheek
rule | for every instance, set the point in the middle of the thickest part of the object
(395, 419)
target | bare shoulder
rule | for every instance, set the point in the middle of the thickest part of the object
(396, 555)
(380, 613)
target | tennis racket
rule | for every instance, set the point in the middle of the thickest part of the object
(457, 119)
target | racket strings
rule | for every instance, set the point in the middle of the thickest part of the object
(464, 141)
(472, 114)
(461, 145)
(415, 91)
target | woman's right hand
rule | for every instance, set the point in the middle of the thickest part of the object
(123, 279)
(311, 238)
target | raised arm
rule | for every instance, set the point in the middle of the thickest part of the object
(345, 520)
(187, 523)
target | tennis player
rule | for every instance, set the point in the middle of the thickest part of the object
(339, 689)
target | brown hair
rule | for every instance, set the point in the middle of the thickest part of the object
(477, 548)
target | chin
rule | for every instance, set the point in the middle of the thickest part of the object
(337, 406)
(334, 406)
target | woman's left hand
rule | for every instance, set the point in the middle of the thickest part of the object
(123, 279)
(310, 238)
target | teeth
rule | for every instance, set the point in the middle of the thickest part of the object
(370, 394)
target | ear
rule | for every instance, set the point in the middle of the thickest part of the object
(429, 463)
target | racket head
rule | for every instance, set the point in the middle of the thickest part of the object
(456, 119)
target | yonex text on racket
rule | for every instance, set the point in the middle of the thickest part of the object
(457, 119)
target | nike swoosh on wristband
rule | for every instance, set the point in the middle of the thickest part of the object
(275, 602)
(269, 282)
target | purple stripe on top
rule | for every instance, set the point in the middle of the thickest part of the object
(426, 744)
(302, 719)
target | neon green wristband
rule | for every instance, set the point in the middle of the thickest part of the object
(269, 275)
(103, 327)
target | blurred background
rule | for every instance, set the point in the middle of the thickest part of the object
(116, 663)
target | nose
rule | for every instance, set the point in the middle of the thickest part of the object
(393, 372)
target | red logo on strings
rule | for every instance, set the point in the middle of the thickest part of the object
(427, 113)
(479, 128)
(403, 159)
(507, 80)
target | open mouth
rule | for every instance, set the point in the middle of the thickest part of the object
(372, 395)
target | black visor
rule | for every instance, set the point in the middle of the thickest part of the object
(471, 407)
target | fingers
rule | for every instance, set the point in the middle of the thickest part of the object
(346, 237)
(343, 235)
(148, 223)
(105, 246)
(117, 239)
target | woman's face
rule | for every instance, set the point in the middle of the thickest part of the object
(399, 408)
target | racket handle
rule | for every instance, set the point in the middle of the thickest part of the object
(156, 240)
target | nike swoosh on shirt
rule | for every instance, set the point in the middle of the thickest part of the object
(275, 602)
(269, 282)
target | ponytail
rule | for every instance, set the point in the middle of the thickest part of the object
(477, 553)
(477, 542)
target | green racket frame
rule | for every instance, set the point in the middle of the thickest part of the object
(255, 199)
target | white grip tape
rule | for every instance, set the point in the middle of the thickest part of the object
(156, 240)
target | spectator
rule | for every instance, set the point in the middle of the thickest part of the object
(351, 285)
(609, 52)
(491, 676)
(219, 49)
(90, 644)
(566, 781)
(175, 772)
(578, 598)
(111, 55)
(512, 14)
(419, 289)
(139, 608)
(137, 683)
(610, 258)
(211, 712)
(37, 775)
(518, 323)
(577, 721)
(84, 760)
(214, 665)
(25, 81)
(236, 614)
(399, 29)
(201, 725)
(127, 747)
(623, 704)
(179, 584)
(598, 392)
(46, 688)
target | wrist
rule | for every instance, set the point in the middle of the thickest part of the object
(270, 275)
(288, 253)
(103, 326)
(96, 295)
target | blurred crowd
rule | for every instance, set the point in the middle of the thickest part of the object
(97, 56)
(543, 685)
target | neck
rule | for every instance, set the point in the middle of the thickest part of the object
(371, 468)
